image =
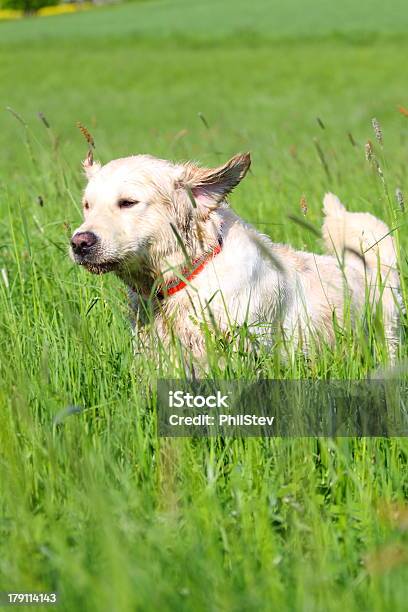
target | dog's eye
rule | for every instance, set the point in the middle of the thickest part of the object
(127, 203)
(86, 205)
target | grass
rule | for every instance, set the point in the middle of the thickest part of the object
(97, 507)
(209, 20)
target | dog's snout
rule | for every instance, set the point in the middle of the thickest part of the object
(82, 242)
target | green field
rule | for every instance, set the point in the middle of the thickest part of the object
(97, 507)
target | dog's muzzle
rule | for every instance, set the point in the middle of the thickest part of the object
(87, 251)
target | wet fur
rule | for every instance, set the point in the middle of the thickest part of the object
(252, 280)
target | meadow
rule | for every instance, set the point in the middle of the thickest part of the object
(92, 503)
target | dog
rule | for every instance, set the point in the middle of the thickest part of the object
(167, 231)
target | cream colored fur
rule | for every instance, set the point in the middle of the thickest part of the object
(272, 287)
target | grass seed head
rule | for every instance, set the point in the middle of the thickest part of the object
(320, 123)
(303, 204)
(44, 120)
(377, 130)
(403, 111)
(399, 196)
(369, 152)
(86, 134)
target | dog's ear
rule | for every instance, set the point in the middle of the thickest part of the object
(90, 166)
(209, 186)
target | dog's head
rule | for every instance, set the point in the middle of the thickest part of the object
(139, 205)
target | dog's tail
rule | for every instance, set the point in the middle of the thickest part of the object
(358, 235)
(362, 239)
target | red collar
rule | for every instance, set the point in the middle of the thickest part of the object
(175, 285)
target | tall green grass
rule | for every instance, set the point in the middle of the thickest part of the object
(92, 503)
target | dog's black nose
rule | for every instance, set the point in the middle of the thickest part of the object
(82, 242)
